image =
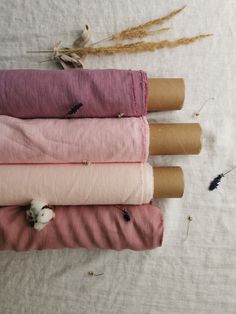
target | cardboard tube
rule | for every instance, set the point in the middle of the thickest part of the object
(175, 139)
(168, 182)
(165, 94)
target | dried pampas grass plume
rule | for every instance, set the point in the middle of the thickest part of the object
(141, 34)
(127, 33)
(139, 46)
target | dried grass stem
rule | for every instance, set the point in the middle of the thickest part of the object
(139, 46)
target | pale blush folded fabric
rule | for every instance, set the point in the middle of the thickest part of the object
(84, 226)
(52, 93)
(73, 140)
(76, 184)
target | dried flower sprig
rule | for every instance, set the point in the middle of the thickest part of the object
(92, 273)
(197, 114)
(71, 57)
(74, 109)
(125, 213)
(216, 181)
(190, 219)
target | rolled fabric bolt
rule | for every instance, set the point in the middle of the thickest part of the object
(175, 139)
(73, 93)
(106, 184)
(73, 140)
(84, 226)
(86, 93)
(93, 140)
(165, 94)
(76, 184)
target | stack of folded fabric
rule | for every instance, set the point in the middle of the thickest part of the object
(77, 140)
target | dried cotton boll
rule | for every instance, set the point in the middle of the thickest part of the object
(84, 38)
(39, 214)
(34, 210)
(43, 218)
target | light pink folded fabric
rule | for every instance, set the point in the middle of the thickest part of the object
(76, 184)
(73, 140)
(84, 226)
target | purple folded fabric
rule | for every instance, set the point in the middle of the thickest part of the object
(75, 93)
(84, 226)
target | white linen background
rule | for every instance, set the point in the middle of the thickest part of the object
(193, 276)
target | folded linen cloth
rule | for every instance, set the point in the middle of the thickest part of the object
(84, 226)
(77, 184)
(81, 93)
(73, 140)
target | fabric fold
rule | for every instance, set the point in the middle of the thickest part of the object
(84, 226)
(73, 140)
(82, 93)
(76, 184)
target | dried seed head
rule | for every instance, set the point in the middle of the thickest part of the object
(120, 115)
(86, 162)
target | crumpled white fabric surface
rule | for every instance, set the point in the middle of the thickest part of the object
(194, 275)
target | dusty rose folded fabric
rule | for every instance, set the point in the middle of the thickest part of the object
(73, 140)
(84, 226)
(76, 184)
(52, 93)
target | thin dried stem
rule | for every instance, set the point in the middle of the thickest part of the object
(229, 171)
(197, 114)
(101, 41)
(188, 227)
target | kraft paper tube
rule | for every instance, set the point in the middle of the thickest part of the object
(175, 139)
(168, 182)
(165, 94)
